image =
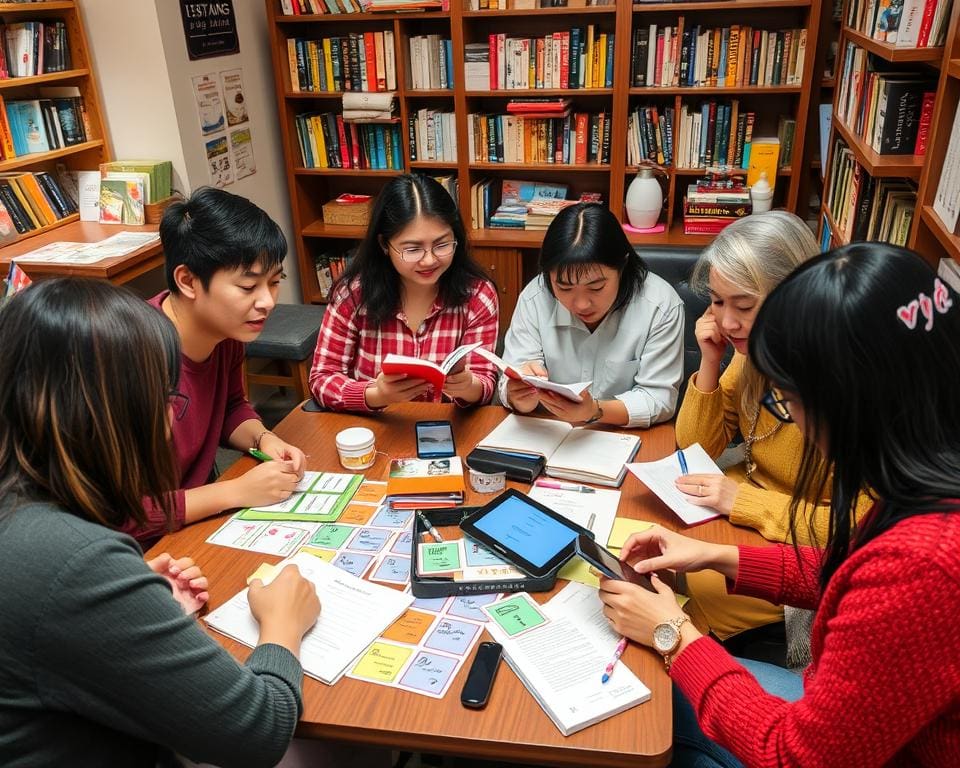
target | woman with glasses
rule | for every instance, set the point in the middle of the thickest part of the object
(736, 272)
(595, 314)
(868, 379)
(411, 289)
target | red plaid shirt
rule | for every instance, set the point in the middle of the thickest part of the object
(350, 349)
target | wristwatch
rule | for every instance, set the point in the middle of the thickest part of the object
(666, 638)
(597, 416)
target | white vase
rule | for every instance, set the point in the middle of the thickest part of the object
(644, 200)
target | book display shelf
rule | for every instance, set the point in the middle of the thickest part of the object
(510, 254)
(90, 152)
(871, 195)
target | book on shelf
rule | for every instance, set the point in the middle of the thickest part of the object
(418, 483)
(581, 57)
(33, 200)
(326, 140)
(34, 48)
(716, 133)
(949, 271)
(764, 154)
(159, 183)
(329, 266)
(477, 66)
(786, 130)
(577, 139)
(431, 62)
(511, 5)
(946, 202)
(432, 135)
(650, 135)
(571, 453)
(903, 23)
(358, 61)
(432, 373)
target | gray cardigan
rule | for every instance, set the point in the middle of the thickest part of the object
(100, 666)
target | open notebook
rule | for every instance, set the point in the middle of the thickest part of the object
(571, 453)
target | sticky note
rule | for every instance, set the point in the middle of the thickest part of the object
(323, 554)
(622, 528)
(267, 572)
(516, 614)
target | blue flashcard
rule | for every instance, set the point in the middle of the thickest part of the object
(403, 545)
(370, 539)
(395, 570)
(433, 604)
(452, 636)
(478, 555)
(429, 672)
(468, 606)
(388, 517)
(352, 562)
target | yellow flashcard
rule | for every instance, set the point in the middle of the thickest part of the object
(382, 662)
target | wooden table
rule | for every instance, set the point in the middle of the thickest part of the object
(118, 270)
(512, 727)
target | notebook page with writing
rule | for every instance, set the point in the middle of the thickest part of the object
(660, 476)
(592, 455)
(355, 612)
(562, 662)
(526, 434)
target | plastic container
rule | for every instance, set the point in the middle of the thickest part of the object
(761, 194)
(357, 448)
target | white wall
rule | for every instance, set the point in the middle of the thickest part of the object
(144, 72)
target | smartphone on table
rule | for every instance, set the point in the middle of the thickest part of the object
(609, 564)
(480, 678)
(435, 440)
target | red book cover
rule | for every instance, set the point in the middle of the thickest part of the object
(565, 60)
(539, 67)
(926, 115)
(492, 41)
(929, 11)
(658, 66)
(354, 146)
(344, 147)
(581, 138)
(706, 225)
(370, 54)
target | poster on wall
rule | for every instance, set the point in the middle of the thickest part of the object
(218, 161)
(206, 89)
(210, 28)
(233, 98)
(241, 147)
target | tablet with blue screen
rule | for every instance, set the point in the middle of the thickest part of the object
(524, 532)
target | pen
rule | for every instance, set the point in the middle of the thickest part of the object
(259, 455)
(683, 461)
(429, 526)
(608, 672)
(565, 486)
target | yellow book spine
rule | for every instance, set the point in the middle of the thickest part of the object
(328, 64)
(292, 63)
(321, 144)
(588, 59)
(22, 197)
(602, 60)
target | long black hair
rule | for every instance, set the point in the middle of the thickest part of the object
(867, 337)
(401, 201)
(585, 234)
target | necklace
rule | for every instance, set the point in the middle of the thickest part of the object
(752, 438)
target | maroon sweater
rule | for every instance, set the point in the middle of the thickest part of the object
(884, 684)
(217, 407)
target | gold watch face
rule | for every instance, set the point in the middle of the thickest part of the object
(665, 637)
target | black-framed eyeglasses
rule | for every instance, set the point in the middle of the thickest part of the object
(178, 402)
(776, 403)
(440, 251)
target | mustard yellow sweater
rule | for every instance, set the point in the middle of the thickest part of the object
(762, 502)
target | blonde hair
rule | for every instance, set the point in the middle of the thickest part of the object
(755, 254)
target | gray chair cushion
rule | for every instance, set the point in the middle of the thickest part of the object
(290, 333)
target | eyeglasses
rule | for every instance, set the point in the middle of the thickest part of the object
(776, 403)
(440, 251)
(178, 402)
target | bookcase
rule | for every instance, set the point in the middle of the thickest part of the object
(510, 254)
(914, 175)
(88, 154)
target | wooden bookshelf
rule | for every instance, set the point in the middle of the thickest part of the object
(513, 252)
(926, 234)
(96, 149)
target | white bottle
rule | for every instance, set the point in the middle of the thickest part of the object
(761, 194)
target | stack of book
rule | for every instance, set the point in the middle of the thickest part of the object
(541, 213)
(358, 61)
(432, 135)
(477, 66)
(327, 141)
(574, 139)
(581, 57)
(431, 62)
(34, 48)
(650, 136)
(158, 181)
(905, 23)
(517, 195)
(34, 200)
(316, 7)
(424, 483)
(709, 206)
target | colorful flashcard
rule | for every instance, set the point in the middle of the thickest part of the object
(357, 514)
(430, 673)
(516, 614)
(434, 604)
(307, 481)
(323, 554)
(265, 537)
(278, 539)
(371, 492)
(438, 558)
(326, 495)
(476, 555)
(452, 636)
(331, 536)
(382, 662)
(403, 544)
(235, 533)
(388, 517)
(410, 628)
(353, 562)
(370, 539)
(470, 606)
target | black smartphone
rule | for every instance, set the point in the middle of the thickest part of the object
(476, 690)
(609, 564)
(435, 440)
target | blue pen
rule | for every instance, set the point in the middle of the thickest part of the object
(683, 462)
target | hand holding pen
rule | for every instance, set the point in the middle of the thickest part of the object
(608, 671)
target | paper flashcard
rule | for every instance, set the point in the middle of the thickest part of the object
(235, 533)
(438, 558)
(403, 544)
(318, 504)
(371, 492)
(392, 570)
(410, 627)
(452, 636)
(516, 614)
(334, 482)
(353, 562)
(287, 505)
(278, 539)
(430, 673)
(357, 514)
(382, 662)
(307, 481)
(331, 536)
(476, 555)
(262, 536)
(370, 539)
(435, 604)
(388, 517)
(471, 606)
(323, 554)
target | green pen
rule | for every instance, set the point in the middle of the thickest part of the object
(259, 455)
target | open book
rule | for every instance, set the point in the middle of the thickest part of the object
(660, 477)
(354, 614)
(562, 661)
(430, 372)
(569, 391)
(571, 453)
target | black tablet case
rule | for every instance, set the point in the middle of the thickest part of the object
(520, 468)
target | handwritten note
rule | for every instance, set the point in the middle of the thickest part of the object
(382, 662)
(439, 558)
(331, 536)
(410, 627)
(429, 672)
(370, 539)
(516, 614)
(452, 636)
(393, 570)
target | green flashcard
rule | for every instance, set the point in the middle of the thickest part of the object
(331, 536)
(515, 614)
(439, 558)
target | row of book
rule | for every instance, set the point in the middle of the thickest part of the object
(34, 200)
(432, 135)
(946, 203)
(57, 120)
(529, 5)
(864, 207)
(358, 61)
(319, 7)
(904, 23)
(581, 57)
(718, 133)
(891, 111)
(327, 141)
(650, 135)
(431, 62)
(575, 139)
(330, 265)
(33, 48)
(709, 207)
(725, 57)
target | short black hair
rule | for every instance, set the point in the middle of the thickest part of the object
(214, 230)
(586, 234)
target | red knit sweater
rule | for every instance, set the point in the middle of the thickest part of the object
(884, 684)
